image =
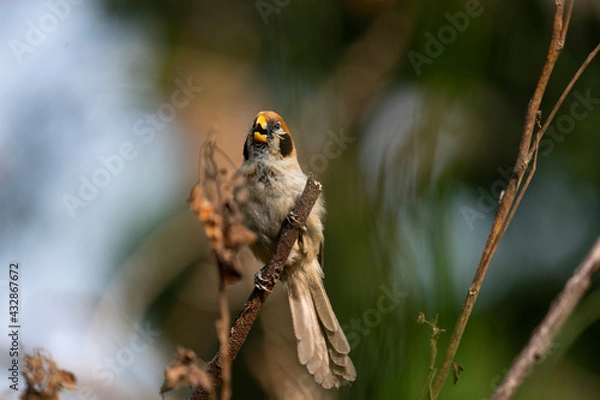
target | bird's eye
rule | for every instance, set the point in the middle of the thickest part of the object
(277, 125)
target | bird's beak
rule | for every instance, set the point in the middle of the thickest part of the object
(260, 127)
(259, 137)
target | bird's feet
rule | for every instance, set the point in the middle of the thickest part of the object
(260, 282)
(293, 220)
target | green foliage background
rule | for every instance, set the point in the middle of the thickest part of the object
(406, 225)
(410, 198)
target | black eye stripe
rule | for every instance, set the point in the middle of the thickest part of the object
(286, 146)
(246, 154)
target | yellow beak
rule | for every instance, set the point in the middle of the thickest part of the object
(259, 137)
(262, 122)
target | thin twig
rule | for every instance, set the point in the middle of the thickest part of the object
(533, 152)
(544, 334)
(563, 97)
(222, 324)
(222, 330)
(270, 273)
(435, 333)
(227, 235)
(512, 195)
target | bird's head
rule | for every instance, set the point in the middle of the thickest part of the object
(269, 138)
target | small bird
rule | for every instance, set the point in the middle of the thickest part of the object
(269, 182)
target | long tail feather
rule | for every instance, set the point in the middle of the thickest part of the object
(322, 345)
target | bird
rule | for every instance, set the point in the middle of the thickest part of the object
(268, 185)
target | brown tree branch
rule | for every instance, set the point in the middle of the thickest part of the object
(513, 193)
(533, 152)
(563, 96)
(542, 337)
(222, 326)
(270, 274)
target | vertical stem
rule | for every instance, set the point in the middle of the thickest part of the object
(222, 328)
(510, 199)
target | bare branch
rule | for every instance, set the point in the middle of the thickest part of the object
(513, 194)
(435, 333)
(222, 328)
(542, 337)
(270, 273)
(563, 96)
(211, 200)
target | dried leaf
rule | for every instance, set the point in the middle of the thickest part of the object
(185, 369)
(43, 378)
(195, 198)
(456, 369)
(212, 201)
